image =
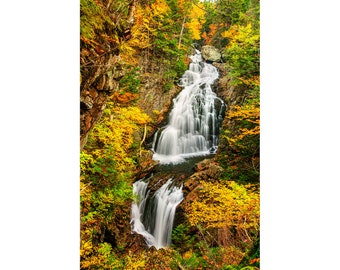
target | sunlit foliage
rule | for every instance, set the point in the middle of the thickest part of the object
(242, 52)
(250, 116)
(197, 19)
(222, 227)
(148, 20)
(117, 135)
(222, 206)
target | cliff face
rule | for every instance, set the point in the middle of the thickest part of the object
(155, 93)
(99, 83)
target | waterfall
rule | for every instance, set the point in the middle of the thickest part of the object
(193, 130)
(153, 217)
(196, 117)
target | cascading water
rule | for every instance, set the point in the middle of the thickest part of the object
(153, 217)
(193, 130)
(195, 119)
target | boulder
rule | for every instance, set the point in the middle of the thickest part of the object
(146, 164)
(211, 54)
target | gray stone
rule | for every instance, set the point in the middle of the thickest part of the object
(210, 53)
(87, 101)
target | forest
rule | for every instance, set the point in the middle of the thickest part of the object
(132, 56)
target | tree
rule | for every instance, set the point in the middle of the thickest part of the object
(242, 53)
(196, 20)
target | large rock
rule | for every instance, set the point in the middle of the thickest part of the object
(210, 53)
(206, 170)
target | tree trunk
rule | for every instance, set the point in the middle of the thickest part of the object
(181, 33)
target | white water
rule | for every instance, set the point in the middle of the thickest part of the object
(161, 210)
(193, 130)
(194, 121)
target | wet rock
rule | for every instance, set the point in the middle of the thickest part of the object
(146, 165)
(207, 170)
(135, 242)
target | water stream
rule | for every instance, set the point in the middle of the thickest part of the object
(153, 216)
(193, 131)
(196, 117)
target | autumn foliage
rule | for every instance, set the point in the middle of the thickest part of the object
(229, 205)
(196, 20)
(107, 167)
